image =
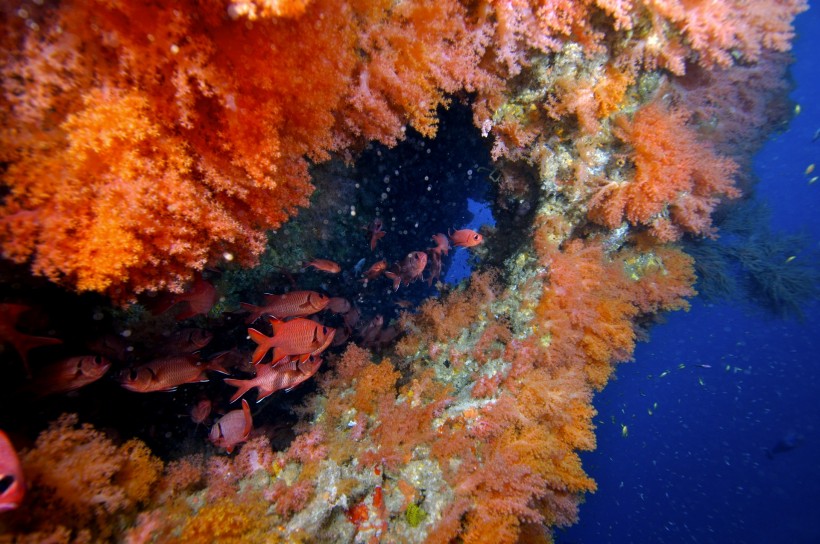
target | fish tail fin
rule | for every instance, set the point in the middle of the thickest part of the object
(242, 387)
(216, 365)
(396, 279)
(24, 343)
(255, 311)
(278, 355)
(263, 347)
(259, 354)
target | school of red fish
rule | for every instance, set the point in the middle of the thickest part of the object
(289, 356)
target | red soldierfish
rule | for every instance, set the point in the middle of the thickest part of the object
(168, 373)
(374, 271)
(409, 270)
(69, 374)
(12, 483)
(375, 232)
(23, 343)
(466, 238)
(299, 336)
(110, 345)
(198, 299)
(324, 265)
(187, 341)
(233, 428)
(293, 304)
(371, 330)
(201, 410)
(434, 258)
(271, 378)
(339, 305)
(442, 244)
(351, 318)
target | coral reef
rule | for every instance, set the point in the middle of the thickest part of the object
(124, 118)
(79, 480)
(166, 146)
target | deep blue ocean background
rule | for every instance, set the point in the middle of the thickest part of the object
(692, 464)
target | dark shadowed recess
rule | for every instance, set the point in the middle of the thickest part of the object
(418, 188)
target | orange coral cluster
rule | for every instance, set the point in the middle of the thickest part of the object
(588, 306)
(678, 180)
(509, 462)
(79, 479)
(145, 142)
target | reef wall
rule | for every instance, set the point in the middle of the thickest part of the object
(144, 145)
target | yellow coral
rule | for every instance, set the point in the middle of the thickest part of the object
(228, 521)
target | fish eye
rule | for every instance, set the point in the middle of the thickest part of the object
(98, 359)
(476, 236)
(324, 330)
(132, 374)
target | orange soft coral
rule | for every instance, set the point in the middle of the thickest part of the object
(587, 309)
(585, 312)
(160, 143)
(80, 479)
(83, 469)
(678, 180)
(144, 142)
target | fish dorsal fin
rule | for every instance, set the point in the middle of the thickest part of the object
(246, 411)
(276, 324)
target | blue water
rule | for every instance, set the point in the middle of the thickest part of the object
(459, 267)
(693, 468)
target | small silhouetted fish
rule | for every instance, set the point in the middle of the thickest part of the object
(790, 441)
